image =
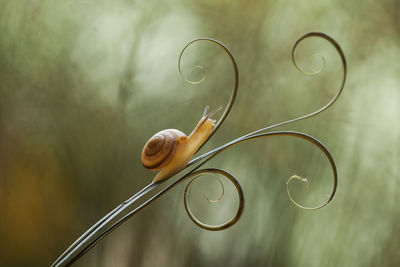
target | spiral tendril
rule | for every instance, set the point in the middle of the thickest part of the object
(300, 179)
(116, 217)
(239, 210)
(221, 196)
(303, 136)
(235, 78)
(194, 82)
(311, 61)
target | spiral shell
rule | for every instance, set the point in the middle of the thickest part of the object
(159, 148)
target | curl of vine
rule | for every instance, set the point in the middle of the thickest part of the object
(124, 211)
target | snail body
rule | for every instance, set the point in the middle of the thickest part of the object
(170, 150)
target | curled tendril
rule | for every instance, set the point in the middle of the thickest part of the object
(235, 77)
(194, 82)
(124, 211)
(303, 136)
(239, 190)
(198, 66)
(300, 179)
(311, 61)
(205, 196)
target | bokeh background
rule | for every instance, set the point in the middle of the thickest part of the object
(84, 84)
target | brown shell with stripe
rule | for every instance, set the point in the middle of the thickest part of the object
(159, 148)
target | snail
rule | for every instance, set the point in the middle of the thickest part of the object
(170, 150)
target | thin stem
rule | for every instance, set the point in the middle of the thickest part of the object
(86, 244)
(92, 231)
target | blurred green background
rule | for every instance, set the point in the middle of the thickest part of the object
(84, 84)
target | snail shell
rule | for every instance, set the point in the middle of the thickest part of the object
(158, 150)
